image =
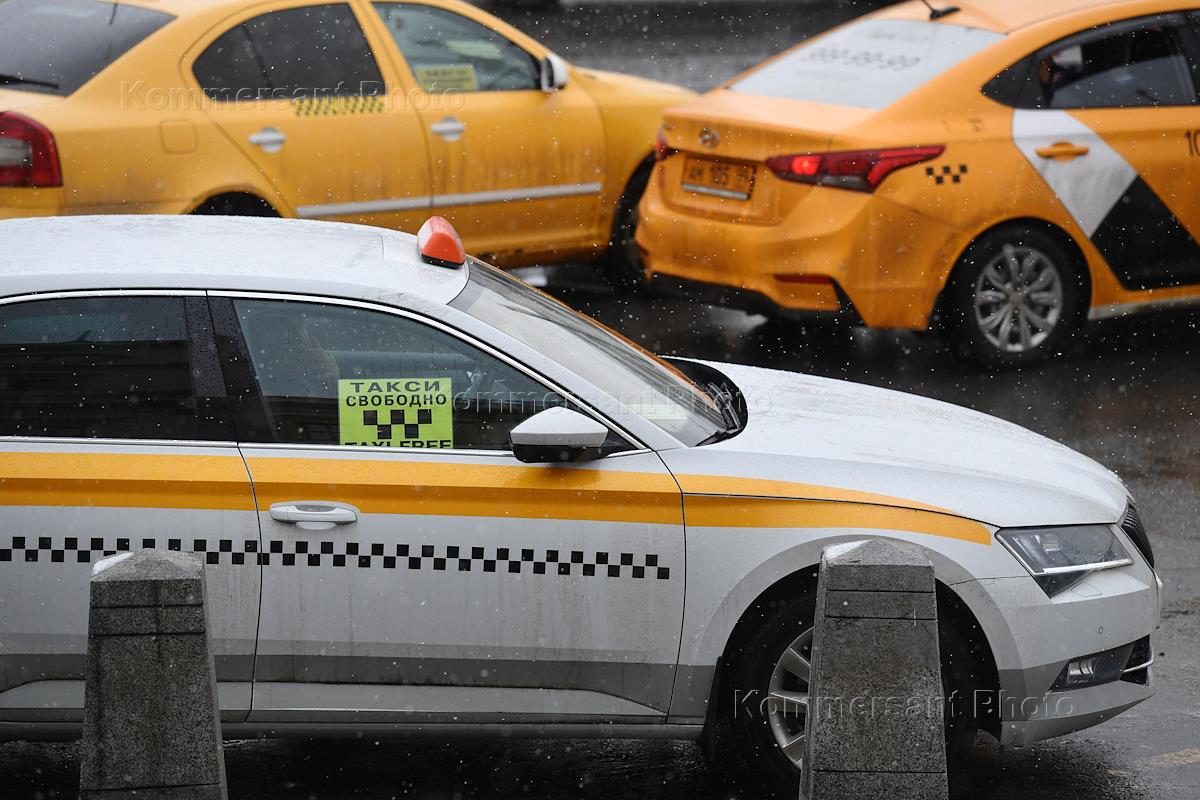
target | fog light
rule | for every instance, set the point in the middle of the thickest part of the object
(1093, 670)
(1081, 672)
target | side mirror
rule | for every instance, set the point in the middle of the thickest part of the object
(557, 435)
(554, 73)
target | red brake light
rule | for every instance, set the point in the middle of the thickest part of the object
(662, 149)
(862, 170)
(28, 155)
(439, 244)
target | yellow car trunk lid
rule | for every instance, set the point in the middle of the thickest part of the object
(723, 140)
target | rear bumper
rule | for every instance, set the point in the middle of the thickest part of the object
(885, 261)
(750, 301)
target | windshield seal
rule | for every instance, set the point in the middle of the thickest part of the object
(633, 379)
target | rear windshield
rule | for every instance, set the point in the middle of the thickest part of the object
(868, 64)
(56, 46)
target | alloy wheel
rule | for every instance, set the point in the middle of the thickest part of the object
(787, 696)
(1018, 299)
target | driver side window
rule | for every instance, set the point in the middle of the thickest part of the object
(448, 52)
(338, 375)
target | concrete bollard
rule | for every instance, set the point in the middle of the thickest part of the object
(874, 725)
(150, 726)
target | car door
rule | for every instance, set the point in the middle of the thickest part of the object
(299, 91)
(516, 169)
(414, 569)
(114, 436)
(1109, 121)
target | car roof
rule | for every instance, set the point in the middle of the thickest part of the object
(1001, 16)
(229, 253)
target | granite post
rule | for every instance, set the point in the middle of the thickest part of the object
(150, 728)
(874, 726)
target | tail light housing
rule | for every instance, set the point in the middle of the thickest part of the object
(861, 170)
(28, 154)
(662, 150)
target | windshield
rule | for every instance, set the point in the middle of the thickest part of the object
(869, 64)
(86, 37)
(631, 376)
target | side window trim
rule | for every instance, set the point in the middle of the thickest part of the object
(1028, 97)
(1189, 33)
(249, 407)
(240, 19)
(401, 60)
(203, 349)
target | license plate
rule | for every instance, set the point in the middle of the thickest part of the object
(718, 178)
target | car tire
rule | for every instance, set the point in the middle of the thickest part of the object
(235, 205)
(1014, 298)
(622, 265)
(747, 744)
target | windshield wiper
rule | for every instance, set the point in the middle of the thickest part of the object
(725, 402)
(9, 80)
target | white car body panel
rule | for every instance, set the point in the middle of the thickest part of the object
(819, 462)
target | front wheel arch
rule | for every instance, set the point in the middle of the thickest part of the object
(969, 642)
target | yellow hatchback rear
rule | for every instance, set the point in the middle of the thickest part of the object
(907, 169)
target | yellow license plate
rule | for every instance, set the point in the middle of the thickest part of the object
(718, 178)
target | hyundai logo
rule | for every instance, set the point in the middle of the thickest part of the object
(709, 138)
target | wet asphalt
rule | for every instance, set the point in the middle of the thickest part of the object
(1127, 396)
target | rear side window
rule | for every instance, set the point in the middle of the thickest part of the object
(312, 51)
(109, 368)
(1141, 67)
(56, 46)
(868, 64)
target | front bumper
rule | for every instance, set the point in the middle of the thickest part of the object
(1060, 713)
(1034, 637)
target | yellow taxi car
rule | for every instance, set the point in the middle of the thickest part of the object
(358, 111)
(1001, 172)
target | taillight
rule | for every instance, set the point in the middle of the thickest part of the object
(28, 155)
(862, 170)
(662, 149)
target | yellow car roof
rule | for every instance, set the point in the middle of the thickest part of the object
(1001, 16)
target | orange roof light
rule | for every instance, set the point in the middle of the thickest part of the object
(439, 244)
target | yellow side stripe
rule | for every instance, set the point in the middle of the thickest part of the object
(135, 480)
(394, 487)
(788, 490)
(124, 480)
(709, 511)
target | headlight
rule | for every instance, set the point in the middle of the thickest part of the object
(1057, 558)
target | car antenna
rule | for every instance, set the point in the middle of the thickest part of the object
(938, 13)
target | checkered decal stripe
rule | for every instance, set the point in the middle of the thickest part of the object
(519, 561)
(327, 106)
(946, 173)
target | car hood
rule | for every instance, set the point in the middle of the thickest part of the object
(911, 451)
(634, 85)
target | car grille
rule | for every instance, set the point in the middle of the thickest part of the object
(1131, 523)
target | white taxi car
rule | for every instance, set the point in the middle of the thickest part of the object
(432, 497)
